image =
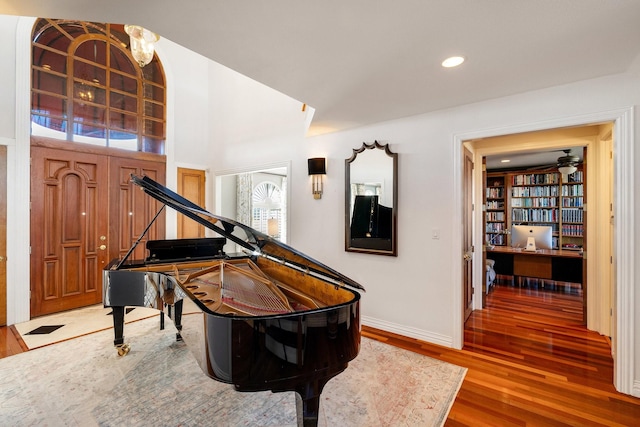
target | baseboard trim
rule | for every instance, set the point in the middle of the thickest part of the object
(410, 332)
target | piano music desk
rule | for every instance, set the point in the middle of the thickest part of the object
(549, 264)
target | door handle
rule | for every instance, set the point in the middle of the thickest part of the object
(467, 257)
(2, 258)
(103, 247)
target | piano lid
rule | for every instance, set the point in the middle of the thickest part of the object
(257, 243)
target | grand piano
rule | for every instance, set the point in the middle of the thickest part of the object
(255, 312)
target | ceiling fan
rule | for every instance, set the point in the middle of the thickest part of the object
(567, 164)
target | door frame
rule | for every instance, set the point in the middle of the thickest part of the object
(623, 345)
(3, 234)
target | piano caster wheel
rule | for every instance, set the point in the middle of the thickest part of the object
(178, 337)
(123, 349)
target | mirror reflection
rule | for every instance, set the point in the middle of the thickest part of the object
(371, 200)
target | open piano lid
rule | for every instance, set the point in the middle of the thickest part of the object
(257, 243)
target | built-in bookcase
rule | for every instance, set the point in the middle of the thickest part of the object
(535, 199)
(572, 220)
(496, 210)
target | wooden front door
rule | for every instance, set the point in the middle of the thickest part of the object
(84, 213)
(467, 233)
(191, 186)
(69, 225)
(131, 209)
(3, 235)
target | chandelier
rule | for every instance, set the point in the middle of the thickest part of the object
(142, 43)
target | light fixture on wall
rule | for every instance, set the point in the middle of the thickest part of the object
(317, 168)
(142, 43)
(567, 164)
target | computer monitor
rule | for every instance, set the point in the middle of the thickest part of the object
(543, 235)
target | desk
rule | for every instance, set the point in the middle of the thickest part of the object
(558, 265)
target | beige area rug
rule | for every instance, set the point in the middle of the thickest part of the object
(82, 382)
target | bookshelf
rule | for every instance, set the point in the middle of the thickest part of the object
(572, 220)
(496, 210)
(535, 199)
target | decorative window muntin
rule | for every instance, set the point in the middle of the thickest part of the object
(86, 87)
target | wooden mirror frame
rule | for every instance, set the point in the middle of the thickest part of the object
(372, 244)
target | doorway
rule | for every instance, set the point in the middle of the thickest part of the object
(538, 151)
(86, 213)
(191, 186)
(257, 197)
(622, 264)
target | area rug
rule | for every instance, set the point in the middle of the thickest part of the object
(82, 382)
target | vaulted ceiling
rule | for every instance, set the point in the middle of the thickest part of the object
(359, 62)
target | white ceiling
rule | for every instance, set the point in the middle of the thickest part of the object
(359, 62)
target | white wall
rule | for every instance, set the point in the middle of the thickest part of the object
(7, 76)
(253, 122)
(414, 293)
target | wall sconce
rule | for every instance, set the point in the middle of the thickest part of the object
(142, 43)
(317, 168)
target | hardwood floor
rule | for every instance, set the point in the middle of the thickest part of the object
(530, 363)
(10, 342)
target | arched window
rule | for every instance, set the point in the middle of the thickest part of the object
(86, 87)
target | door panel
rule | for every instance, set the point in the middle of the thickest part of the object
(191, 186)
(467, 233)
(84, 213)
(68, 193)
(132, 209)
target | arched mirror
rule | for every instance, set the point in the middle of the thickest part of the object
(371, 200)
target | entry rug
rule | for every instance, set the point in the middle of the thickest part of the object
(83, 382)
(53, 328)
(62, 326)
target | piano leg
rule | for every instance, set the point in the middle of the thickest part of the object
(178, 318)
(308, 402)
(118, 329)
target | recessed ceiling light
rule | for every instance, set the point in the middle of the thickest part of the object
(453, 61)
(505, 161)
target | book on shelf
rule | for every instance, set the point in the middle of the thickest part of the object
(535, 178)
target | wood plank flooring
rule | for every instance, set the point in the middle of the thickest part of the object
(530, 363)
(10, 342)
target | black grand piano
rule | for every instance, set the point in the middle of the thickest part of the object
(263, 316)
